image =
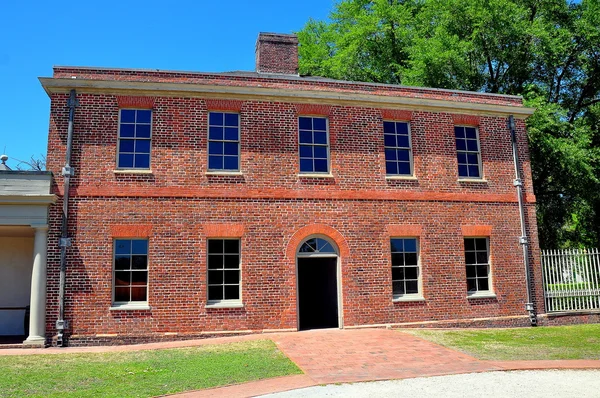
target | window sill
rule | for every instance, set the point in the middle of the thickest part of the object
(132, 171)
(225, 304)
(479, 295)
(224, 173)
(408, 299)
(399, 177)
(481, 180)
(130, 306)
(315, 175)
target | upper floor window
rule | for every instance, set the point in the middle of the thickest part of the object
(224, 273)
(223, 141)
(130, 270)
(398, 154)
(467, 152)
(313, 140)
(477, 261)
(405, 266)
(135, 126)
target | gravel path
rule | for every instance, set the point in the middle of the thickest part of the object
(530, 384)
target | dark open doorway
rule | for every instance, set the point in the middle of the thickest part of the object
(317, 292)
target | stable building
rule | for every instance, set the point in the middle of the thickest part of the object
(202, 204)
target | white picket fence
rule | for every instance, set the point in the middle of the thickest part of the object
(571, 279)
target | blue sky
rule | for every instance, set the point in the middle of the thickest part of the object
(204, 36)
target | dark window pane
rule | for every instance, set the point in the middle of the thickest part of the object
(461, 157)
(230, 162)
(319, 123)
(482, 257)
(461, 145)
(470, 132)
(320, 152)
(470, 244)
(462, 171)
(305, 123)
(306, 151)
(122, 293)
(232, 277)
(138, 293)
(391, 167)
(232, 292)
(215, 261)
(232, 246)
(215, 277)
(397, 273)
(215, 118)
(411, 272)
(470, 257)
(139, 277)
(127, 116)
(397, 259)
(403, 141)
(215, 133)
(321, 165)
(122, 278)
(142, 146)
(471, 285)
(122, 262)
(232, 134)
(404, 168)
(232, 119)
(471, 271)
(459, 132)
(215, 162)
(139, 262)
(473, 171)
(127, 130)
(144, 116)
(472, 159)
(482, 270)
(139, 246)
(389, 140)
(126, 146)
(481, 244)
(215, 292)
(410, 258)
(410, 245)
(306, 165)
(142, 161)
(142, 131)
(403, 154)
(483, 284)
(402, 128)
(397, 245)
(412, 287)
(125, 160)
(231, 148)
(215, 148)
(389, 127)
(320, 138)
(398, 287)
(390, 154)
(232, 261)
(215, 246)
(472, 145)
(122, 246)
(305, 137)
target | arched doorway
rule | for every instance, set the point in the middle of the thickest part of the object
(318, 278)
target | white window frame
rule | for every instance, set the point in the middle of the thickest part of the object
(328, 147)
(410, 151)
(224, 303)
(480, 293)
(239, 142)
(408, 296)
(142, 304)
(479, 160)
(119, 167)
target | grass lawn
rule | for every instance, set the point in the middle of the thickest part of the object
(141, 373)
(556, 342)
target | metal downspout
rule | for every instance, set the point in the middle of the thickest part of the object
(523, 240)
(65, 241)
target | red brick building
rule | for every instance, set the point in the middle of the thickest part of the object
(208, 203)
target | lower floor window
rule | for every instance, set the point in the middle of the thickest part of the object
(478, 264)
(405, 266)
(223, 269)
(130, 273)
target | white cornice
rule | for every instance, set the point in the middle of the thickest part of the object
(62, 85)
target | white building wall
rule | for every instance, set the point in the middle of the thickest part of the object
(15, 282)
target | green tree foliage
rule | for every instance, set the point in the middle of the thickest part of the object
(548, 51)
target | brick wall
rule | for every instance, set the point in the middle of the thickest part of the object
(271, 203)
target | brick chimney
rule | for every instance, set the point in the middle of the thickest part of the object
(277, 53)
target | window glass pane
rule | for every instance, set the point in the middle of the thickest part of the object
(139, 277)
(215, 162)
(481, 244)
(215, 148)
(402, 128)
(232, 277)
(142, 131)
(404, 168)
(321, 165)
(230, 163)
(138, 293)
(230, 148)
(126, 145)
(472, 145)
(232, 292)
(319, 124)
(398, 287)
(397, 273)
(397, 259)
(390, 154)
(215, 292)
(471, 285)
(469, 244)
(391, 167)
(397, 245)
(402, 141)
(142, 146)
(470, 257)
(305, 123)
(122, 262)
(127, 130)
(410, 245)
(461, 157)
(127, 116)
(459, 132)
(232, 119)
(215, 277)
(482, 258)
(215, 133)
(412, 287)
(470, 132)
(410, 258)
(215, 246)
(320, 152)
(125, 160)
(306, 151)
(144, 116)
(306, 165)
(305, 137)
(483, 284)
(411, 272)
(122, 246)
(463, 171)
(473, 171)
(232, 246)
(482, 271)
(215, 118)
(142, 161)
(232, 261)
(121, 293)
(389, 140)
(122, 278)
(461, 145)
(471, 273)
(231, 133)
(139, 262)
(215, 261)
(472, 159)
(139, 246)
(320, 138)
(389, 127)
(403, 154)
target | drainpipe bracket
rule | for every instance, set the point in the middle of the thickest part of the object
(523, 240)
(64, 242)
(68, 171)
(517, 182)
(61, 324)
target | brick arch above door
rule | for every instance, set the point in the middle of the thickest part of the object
(317, 229)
